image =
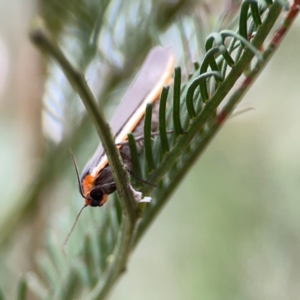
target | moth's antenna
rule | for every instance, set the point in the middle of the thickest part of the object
(70, 232)
(77, 173)
(80, 211)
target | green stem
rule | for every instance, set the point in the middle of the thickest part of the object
(42, 39)
(117, 267)
(200, 120)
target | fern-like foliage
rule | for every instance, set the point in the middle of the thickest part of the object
(107, 40)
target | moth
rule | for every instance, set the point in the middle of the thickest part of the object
(96, 180)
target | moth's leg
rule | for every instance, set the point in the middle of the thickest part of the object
(127, 164)
(141, 137)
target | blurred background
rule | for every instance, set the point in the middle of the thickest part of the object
(230, 231)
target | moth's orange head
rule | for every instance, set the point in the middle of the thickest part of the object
(93, 196)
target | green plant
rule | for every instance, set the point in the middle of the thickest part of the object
(241, 50)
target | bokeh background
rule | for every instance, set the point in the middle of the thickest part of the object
(232, 228)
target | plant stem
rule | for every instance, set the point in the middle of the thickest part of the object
(117, 267)
(199, 121)
(43, 40)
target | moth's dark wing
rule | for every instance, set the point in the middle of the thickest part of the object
(93, 161)
(150, 73)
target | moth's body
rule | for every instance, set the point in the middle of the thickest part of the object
(103, 184)
(96, 180)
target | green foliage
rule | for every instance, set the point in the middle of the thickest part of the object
(107, 40)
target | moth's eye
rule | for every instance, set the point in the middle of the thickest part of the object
(96, 196)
